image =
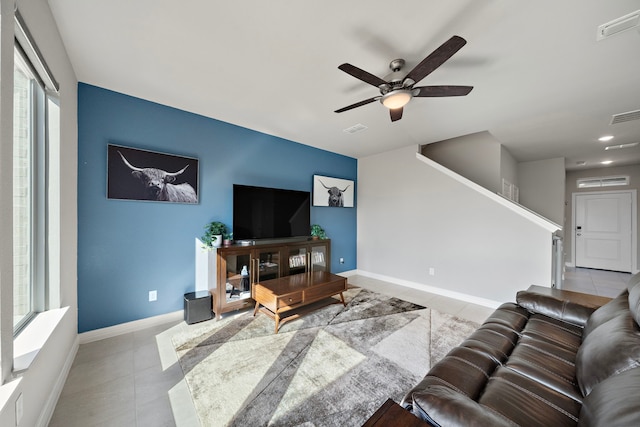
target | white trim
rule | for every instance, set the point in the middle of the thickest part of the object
(124, 328)
(9, 393)
(428, 288)
(634, 223)
(27, 345)
(348, 273)
(513, 206)
(23, 35)
(50, 405)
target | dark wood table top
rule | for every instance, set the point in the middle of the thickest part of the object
(587, 300)
(299, 282)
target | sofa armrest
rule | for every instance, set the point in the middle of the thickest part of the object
(442, 406)
(554, 307)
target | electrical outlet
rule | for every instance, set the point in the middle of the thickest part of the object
(19, 409)
(153, 295)
(341, 260)
(432, 271)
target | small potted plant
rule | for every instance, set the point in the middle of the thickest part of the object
(227, 239)
(318, 232)
(213, 234)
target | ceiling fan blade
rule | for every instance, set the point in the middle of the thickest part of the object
(436, 59)
(427, 91)
(362, 75)
(358, 104)
(396, 114)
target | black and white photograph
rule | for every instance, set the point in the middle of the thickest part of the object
(333, 192)
(134, 174)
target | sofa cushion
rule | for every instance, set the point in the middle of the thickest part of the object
(510, 315)
(527, 402)
(463, 369)
(607, 312)
(553, 331)
(495, 340)
(559, 352)
(545, 368)
(615, 402)
(553, 307)
(611, 348)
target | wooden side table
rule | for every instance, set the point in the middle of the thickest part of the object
(392, 414)
(588, 300)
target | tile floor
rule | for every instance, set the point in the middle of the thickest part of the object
(135, 379)
(596, 282)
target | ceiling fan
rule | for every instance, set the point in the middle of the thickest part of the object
(399, 89)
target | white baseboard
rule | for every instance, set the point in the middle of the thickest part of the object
(348, 273)
(427, 288)
(52, 401)
(124, 328)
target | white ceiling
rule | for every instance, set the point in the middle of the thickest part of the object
(543, 85)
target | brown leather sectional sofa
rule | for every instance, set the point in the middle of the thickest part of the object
(544, 361)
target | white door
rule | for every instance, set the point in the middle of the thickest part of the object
(603, 230)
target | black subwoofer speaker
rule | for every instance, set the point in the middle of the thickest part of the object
(197, 307)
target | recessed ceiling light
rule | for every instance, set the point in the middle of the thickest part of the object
(605, 138)
(607, 162)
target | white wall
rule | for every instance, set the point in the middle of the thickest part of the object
(542, 187)
(42, 382)
(412, 217)
(476, 157)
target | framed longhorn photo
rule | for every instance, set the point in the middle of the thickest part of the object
(333, 192)
(134, 174)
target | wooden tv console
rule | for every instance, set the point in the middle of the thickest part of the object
(219, 270)
(296, 294)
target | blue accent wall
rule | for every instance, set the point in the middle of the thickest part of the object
(127, 248)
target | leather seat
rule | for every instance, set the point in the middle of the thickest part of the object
(540, 362)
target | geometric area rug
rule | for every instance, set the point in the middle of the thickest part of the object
(332, 367)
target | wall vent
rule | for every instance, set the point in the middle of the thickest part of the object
(605, 181)
(626, 22)
(355, 128)
(625, 117)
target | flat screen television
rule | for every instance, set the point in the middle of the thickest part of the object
(270, 213)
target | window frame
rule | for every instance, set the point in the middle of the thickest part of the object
(38, 129)
(602, 181)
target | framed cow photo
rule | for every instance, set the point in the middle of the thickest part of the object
(333, 192)
(134, 174)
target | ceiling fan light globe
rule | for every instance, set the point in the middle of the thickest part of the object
(396, 99)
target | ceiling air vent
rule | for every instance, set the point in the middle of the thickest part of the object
(625, 117)
(626, 22)
(355, 128)
(621, 146)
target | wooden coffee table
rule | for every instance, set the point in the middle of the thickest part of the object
(297, 294)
